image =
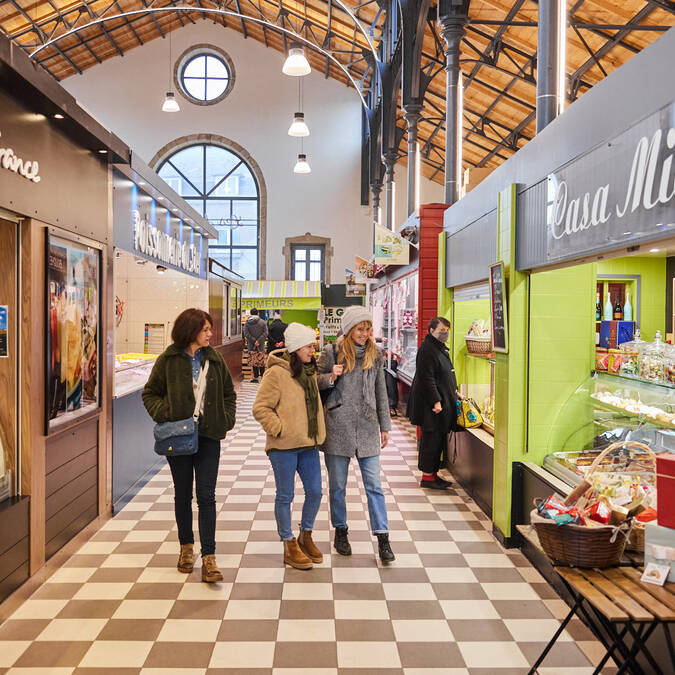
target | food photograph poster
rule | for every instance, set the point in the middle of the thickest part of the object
(72, 335)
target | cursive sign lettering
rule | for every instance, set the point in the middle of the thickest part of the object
(30, 170)
(651, 183)
(158, 244)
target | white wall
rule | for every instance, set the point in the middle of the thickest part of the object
(150, 297)
(126, 93)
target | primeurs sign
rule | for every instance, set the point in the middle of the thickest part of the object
(164, 247)
(623, 191)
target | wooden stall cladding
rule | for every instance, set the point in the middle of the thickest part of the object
(71, 483)
(431, 224)
(232, 354)
(14, 544)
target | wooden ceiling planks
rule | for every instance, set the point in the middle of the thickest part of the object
(500, 90)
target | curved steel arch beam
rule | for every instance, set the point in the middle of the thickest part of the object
(206, 10)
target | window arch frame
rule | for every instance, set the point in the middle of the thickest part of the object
(172, 148)
(197, 50)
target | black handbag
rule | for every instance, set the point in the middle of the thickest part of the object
(181, 437)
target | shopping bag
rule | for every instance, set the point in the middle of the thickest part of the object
(468, 414)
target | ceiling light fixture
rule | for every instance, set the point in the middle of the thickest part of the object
(299, 126)
(170, 104)
(302, 165)
(296, 64)
(58, 116)
(160, 269)
(654, 250)
(102, 151)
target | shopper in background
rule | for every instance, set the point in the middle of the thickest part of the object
(432, 403)
(255, 332)
(391, 381)
(288, 407)
(357, 424)
(275, 337)
(169, 395)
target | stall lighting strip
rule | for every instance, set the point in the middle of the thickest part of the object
(223, 12)
(562, 54)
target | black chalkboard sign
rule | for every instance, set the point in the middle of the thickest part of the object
(500, 324)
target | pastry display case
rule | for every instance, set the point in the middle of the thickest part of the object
(479, 385)
(132, 371)
(607, 409)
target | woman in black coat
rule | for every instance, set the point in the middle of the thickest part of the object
(432, 403)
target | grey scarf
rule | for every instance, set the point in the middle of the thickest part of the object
(368, 384)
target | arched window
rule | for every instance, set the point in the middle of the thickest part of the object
(218, 184)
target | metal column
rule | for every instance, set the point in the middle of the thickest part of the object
(453, 16)
(548, 55)
(412, 116)
(389, 159)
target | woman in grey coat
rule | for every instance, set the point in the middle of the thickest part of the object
(357, 424)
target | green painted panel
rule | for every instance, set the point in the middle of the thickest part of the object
(306, 317)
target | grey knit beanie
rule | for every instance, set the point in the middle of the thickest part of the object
(353, 315)
(297, 336)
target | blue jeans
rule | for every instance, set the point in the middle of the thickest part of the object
(338, 468)
(284, 464)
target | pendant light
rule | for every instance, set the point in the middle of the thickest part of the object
(296, 64)
(302, 165)
(170, 104)
(299, 127)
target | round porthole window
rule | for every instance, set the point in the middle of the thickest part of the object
(204, 74)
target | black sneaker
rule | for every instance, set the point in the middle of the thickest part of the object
(436, 484)
(254, 380)
(341, 543)
(384, 549)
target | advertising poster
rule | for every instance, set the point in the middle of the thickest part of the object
(366, 269)
(73, 306)
(390, 247)
(4, 347)
(332, 321)
(354, 288)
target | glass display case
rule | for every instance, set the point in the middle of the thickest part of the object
(479, 384)
(606, 409)
(403, 317)
(132, 371)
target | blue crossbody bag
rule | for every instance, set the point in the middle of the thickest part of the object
(181, 437)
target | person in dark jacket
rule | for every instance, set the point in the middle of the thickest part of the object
(432, 403)
(255, 333)
(275, 336)
(169, 395)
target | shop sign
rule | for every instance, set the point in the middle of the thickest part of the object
(390, 247)
(280, 303)
(27, 168)
(622, 191)
(159, 245)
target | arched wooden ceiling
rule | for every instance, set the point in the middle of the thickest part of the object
(498, 58)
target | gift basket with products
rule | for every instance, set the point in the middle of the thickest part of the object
(478, 338)
(606, 511)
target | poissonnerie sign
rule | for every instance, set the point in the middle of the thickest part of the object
(162, 246)
(621, 191)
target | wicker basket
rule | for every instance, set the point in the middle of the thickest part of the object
(583, 546)
(579, 545)
(478, 345)
(636, 541)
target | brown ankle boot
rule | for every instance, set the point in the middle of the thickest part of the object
(210, 572)
(186, 559)
(308, 547)
(294, 557)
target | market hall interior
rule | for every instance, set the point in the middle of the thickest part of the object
(505, 166)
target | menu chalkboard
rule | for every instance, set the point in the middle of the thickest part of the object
(500, 326)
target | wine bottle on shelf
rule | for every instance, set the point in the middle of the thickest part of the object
(608, 308)
(628, 308)
(598, 307)
(618, 310)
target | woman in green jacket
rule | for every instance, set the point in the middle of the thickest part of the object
(169, 395)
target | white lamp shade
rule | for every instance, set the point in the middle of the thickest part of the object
(296, 63)
(298, 127)
(170, 104)
(302, 165)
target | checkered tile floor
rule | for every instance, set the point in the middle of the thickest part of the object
(454, 602)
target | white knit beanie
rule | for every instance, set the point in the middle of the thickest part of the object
(297, 336)
(353, 315)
